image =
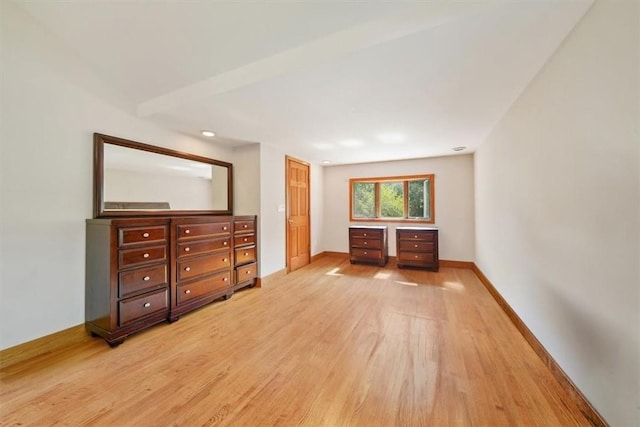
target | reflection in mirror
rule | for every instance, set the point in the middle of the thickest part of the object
(142, 179)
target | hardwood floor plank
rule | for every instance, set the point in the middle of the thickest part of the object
(332, 344)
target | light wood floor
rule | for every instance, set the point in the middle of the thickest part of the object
(332, 344)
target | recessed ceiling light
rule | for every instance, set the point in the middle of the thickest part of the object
(326, 162)
(208, 133)
(459, 148)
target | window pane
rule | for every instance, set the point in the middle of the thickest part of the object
(391, 199)
(364, 205)
(419, 198)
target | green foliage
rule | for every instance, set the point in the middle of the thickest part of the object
(364, 200)
(391, 199)
(417, 192)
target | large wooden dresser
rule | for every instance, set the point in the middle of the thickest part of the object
(143, 271)
(417, 247)
(368, 244)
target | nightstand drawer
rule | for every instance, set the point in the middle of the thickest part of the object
(366, 243)
(371, 234)
(428, 236)
(416, 245)
(422, 257)
(372, 254)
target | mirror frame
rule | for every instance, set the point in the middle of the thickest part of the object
(98, 178)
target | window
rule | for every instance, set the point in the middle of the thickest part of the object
(395, 198)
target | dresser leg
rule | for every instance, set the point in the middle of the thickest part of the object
(115, 343)
(227, 296)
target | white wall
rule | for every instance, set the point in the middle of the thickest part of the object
(453, 202)
(51, 105)
(317, 209)
(557, 208)
(272, 222)
(246, 180)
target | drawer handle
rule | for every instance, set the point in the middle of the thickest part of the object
(145, 235)
(224, 260)
(145, 255)
(248, 272)
(187, 249)
(365, 243)
(246, 253)
(365, 252)
(187, 231)
(415, 237)
(415, 256)
(415, 246)
(225, 243)
(147, 304)
(224, 228)
(365, 234)
(187, 269)
(188, 291)
(245, 226)
(224, 279)
(246, 240)
(146, 278)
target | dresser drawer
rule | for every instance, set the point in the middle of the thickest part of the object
(428, 236)
(372, 254)
(244, 226)
(245, 255)
(193, 267)
(416, 245)
(417, 257)
(246, 272)
(132, 257)
(135, 281)
(244, 239)
(207, 229)
(204, 286)
(372, 234)
(138, 307)
(136, 235)
(200, 247)
(366, 243)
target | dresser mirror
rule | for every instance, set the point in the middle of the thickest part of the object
(136, 179)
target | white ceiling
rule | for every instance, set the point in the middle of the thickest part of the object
(347, 82)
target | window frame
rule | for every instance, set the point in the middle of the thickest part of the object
(405, 180)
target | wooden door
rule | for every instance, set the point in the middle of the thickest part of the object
(298, 219)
